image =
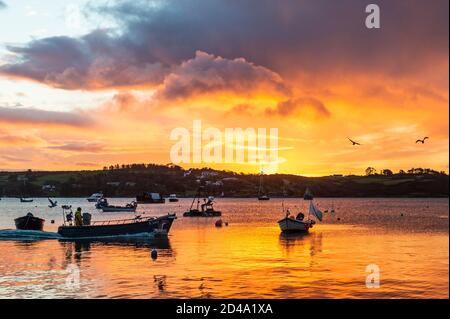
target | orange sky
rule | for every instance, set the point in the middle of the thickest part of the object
(97, 109)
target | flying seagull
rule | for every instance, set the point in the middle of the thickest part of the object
(353, 142)
(422, 141)
(52, 203)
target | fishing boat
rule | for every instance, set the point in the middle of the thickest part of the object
(29, 222)
(173, 198)
(157, 226)
(131, 207)
(94, 197)
(26, 200)
(150, 198)
(261, 194)
(202, 210)
(290, 224)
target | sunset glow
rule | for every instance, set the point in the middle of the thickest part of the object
(89, 91)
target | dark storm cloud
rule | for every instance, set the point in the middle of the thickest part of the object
(290, 37)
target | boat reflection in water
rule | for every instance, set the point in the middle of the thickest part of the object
(293, 241)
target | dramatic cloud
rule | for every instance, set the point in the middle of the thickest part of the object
(291, 38)
(209, 74)
(92, 62)
(37, 116)
(2, 5)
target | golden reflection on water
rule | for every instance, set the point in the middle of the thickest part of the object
(244, 260)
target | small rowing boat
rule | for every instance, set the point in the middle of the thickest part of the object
(29, 222)
(26, 200)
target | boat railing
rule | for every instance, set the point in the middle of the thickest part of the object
(122, 221)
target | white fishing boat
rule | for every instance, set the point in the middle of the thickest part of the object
(299, 224)
(94, 197)
(290, 224)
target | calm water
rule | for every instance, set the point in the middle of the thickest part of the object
(247, 259)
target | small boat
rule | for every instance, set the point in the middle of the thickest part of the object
(150, 198)
(131, 207)
(102, 202)
(261, 194)
(290, 224)
(158, 226)
(26, 200)
(29, 222)
(308, 195)
(173, 198)
(206, 209)
(204, 213)
(94, 197)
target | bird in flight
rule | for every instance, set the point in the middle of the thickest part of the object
(353, 142)
(423, 140)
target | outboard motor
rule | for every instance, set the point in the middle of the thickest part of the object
(87, 219)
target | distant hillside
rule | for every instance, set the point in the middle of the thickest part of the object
(129, 180)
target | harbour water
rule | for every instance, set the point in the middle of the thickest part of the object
(407, 239)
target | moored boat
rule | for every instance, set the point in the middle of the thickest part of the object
(261, 193)
(95, 197)
(289, 224)
(204, 210)
(131, 207)
(157, 226)
(29, 222)
(26, 200)
(204, 213)
(173, 198)
(150, 198)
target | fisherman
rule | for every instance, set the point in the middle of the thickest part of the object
(78, 217)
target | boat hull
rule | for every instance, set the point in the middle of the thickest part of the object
(116, 210)
(157, 226)
(290, 225)
(29, 223)
(206, 213)
(263, 198)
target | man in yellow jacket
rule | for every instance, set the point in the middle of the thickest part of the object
(78, 217)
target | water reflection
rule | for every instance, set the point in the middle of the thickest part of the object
(292, 241)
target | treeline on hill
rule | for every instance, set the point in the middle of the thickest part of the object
(130, 180)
